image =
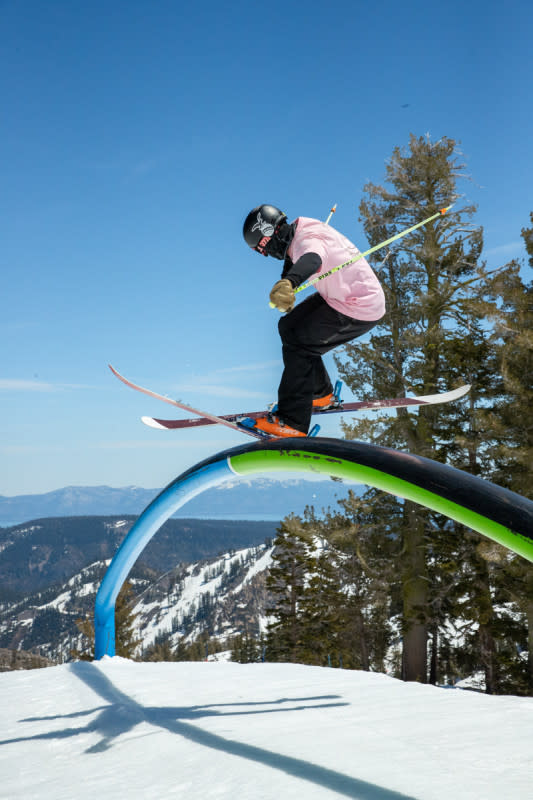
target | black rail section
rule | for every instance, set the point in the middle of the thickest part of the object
(476, 494)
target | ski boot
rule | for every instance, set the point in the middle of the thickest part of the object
(329, 401)
(272, 427)
(325, 403)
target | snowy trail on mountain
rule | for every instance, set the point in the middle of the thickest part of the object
(118, 729)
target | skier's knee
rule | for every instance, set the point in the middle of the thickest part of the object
(286, 331)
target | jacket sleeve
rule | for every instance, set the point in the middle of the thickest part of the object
(299, 272)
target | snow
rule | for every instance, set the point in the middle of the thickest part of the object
(116, 525)
(117, 728)
(263, 563)
(200, 580)
(195, 585)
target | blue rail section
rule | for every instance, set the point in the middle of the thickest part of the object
(497, 513)
(179, 492)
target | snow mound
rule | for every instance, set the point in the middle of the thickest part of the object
(118, 729)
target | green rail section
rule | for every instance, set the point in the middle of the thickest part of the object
(473, 515)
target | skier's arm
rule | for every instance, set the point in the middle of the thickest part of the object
(306, 266)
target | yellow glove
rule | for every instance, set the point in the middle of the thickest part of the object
(282, 295)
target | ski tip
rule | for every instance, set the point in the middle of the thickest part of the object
(153, 423)
(443, 397)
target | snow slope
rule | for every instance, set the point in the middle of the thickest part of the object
(117, 729)
(209, 580)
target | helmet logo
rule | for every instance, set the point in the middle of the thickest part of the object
(262, 225)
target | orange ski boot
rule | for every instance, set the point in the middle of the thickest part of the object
(272, 427)
(331, 400)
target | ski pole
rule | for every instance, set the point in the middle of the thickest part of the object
(371, 250)
(331, 212)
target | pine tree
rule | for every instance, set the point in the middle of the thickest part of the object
(527, 236)
(511, 421)
(245, 649)
(511, 417)
(428, 280)
(160, 650)
(126, 643)
(85, 625)
(460, 581)
(197, 650)
(322, 598)
(292, 562)
(321, 632)
(365, 565)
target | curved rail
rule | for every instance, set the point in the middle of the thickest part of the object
(498, 513)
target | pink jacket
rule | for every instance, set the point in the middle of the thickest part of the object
(353, 290)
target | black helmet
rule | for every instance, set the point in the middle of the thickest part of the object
(260, 225)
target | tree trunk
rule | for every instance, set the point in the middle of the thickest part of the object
(433, 667)
(415, 599)
(487, 652)
(483, 603)
(529, 614)
(361, 631)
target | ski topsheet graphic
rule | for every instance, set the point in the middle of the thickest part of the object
(230, 420)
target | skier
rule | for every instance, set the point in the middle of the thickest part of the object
(346, 305)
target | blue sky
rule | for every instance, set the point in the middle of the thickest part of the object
(137, 135)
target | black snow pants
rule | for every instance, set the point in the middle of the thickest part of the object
(311, 329)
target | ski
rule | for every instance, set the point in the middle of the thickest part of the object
(361, 405)
(207, 419)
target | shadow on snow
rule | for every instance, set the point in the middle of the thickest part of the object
(122, 713)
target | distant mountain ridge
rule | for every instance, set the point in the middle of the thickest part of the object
(75, 501)
(260, 496)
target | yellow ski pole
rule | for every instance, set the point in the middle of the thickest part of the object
(371, 250)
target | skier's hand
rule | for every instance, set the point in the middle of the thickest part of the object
(282, 295)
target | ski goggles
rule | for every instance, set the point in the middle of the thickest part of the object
(262, 245)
